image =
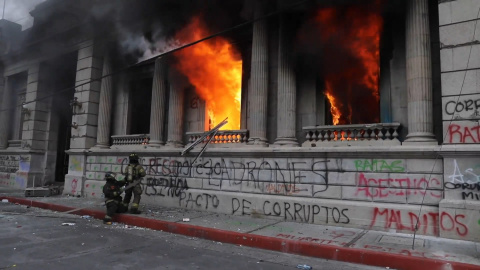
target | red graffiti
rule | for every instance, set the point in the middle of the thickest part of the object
(379, 188)
(459, 134)
(73, 185)
(444, 221)
(5, 176)
(194, 102)
(340, 234)
(409, 252)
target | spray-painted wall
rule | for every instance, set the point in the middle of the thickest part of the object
(390, 189)
(379, 194)
(8, 168)
(460, 103)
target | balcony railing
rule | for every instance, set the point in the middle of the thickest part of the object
(359, 134)
(135, 139)
(222, 137)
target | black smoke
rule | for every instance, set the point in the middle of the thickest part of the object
(151, 24)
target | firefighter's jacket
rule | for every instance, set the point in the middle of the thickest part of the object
(112, 190)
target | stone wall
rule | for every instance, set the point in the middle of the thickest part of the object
(379, 194)
(8, 168)
(462, 193)
(14, 171)
(460, 64)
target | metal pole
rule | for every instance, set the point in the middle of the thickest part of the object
(3, 13)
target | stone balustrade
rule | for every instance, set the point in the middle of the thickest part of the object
(222, 137)
(358, 134)
(134, 139)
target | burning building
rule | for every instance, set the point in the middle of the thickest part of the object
(353, 114)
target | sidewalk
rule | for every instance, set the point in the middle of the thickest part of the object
(392, 250)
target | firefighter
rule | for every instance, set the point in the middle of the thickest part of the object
(133, 172)
(113, 201)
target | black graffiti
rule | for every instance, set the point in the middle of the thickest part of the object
(308, 213)
(237, 172)
(171, 187)
(166, 167)
(452, 107)
(125, 161)
(8, 169)
(322, 175)
(9, 163)
(14, 158)
(202, 201)
(244, 205)
(470, 195)
(462, 186)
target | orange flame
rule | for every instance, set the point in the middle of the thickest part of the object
(352, 77)
(214, 68)
(333, 107)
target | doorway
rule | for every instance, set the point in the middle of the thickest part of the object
(62, 84)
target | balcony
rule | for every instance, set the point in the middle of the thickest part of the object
(223, 137)
(350, 135)
(134, 140)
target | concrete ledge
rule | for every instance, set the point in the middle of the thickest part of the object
(352, 255)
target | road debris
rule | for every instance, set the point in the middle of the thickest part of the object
(68, 224)
(304, 266)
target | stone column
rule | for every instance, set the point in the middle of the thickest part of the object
(87, 92)
(175, 116)
(419, 74)
(286, 100)
(157, 115)
(35, 131)
(258, 88)
(4, 114)
(105, 106)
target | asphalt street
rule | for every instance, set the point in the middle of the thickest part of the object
(32, 238)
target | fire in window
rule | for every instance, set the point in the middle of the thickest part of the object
(214, 68)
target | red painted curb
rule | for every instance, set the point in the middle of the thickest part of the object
(351, 255)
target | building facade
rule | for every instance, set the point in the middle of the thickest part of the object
(69, 114)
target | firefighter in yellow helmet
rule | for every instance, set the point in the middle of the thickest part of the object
(133, 172)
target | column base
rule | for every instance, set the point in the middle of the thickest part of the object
(261, 142)
(102, 146)
(174, 144)
(286, 141)
(420, 138)
(155, 144)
